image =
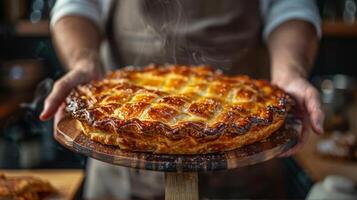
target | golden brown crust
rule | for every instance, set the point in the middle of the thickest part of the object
(178, 109)
(24, 187)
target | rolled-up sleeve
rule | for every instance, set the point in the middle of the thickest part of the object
(276, 12)
(94, 10)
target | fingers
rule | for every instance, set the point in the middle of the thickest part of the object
(58, 116)
(309, 105)
(295, 90)
(314, 109)
(59, 92)
(302, 139)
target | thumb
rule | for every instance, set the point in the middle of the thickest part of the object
(59, 92)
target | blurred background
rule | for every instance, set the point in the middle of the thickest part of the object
(28, 66)
(27, 62)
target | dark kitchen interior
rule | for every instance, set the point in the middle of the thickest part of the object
(29, 66)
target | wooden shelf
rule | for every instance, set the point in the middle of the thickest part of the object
(339, 29)
(329, 28)
(27, 28)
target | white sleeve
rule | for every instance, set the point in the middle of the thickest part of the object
(276, 12)
(95, 10)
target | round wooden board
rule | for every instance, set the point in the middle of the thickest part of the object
(70, 135)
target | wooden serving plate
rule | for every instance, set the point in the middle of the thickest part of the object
(181, 169)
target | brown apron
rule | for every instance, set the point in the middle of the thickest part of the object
(221, 33)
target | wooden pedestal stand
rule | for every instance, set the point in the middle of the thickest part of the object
(181, 171)
(182, 185)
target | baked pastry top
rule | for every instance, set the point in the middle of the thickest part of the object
(177, 109)
(24, 187)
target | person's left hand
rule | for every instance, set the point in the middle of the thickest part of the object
(308, 102)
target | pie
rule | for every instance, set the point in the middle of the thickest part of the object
(23, 187)
(178, 109)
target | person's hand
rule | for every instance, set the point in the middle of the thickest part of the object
(308, 102)
(83, 71)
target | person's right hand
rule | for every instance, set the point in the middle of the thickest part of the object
(83, 71)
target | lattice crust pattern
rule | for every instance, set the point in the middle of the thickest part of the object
(178, 109)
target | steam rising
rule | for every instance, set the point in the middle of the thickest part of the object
(196, 32)
(183, 32)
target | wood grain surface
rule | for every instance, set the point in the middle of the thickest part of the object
(66, 182)
(70, 135)
(181, 186)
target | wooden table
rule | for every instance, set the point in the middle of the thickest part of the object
(67, 182)
(181, 171)
(319, 167)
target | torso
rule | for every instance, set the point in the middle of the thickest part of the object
(217, 33)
